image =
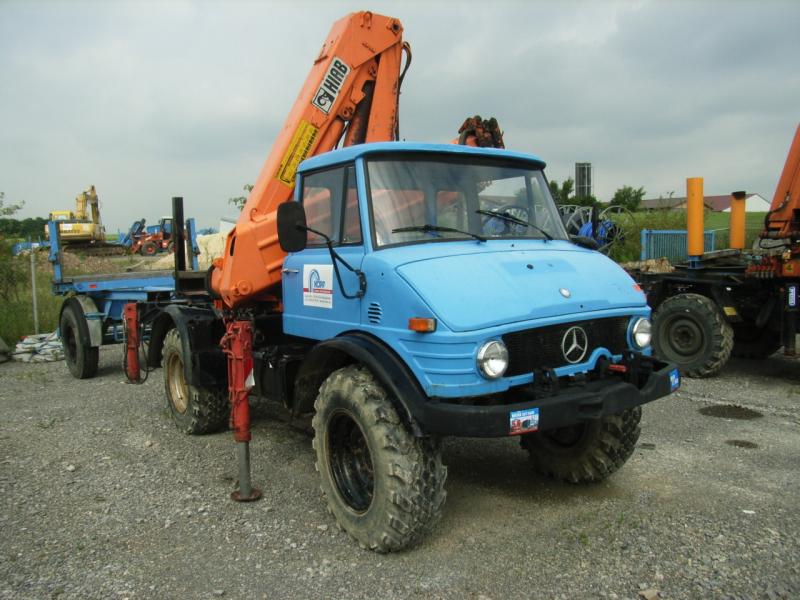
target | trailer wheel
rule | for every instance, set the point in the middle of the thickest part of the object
(692, 332)
(81, 359)
(148, 249)
(384, 486)
(195, 410)
(587, 452)
(751, 342)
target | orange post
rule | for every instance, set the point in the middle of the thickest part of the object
(694, 216)
(737, 220)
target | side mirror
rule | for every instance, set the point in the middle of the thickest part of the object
(292, 227)
(584, 242)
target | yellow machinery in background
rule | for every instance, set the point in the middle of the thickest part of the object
(80, 226)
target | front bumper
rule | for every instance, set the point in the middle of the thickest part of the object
(570, 406)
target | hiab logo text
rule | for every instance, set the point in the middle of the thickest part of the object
(318, 286)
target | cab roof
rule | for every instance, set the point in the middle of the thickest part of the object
(351, 153)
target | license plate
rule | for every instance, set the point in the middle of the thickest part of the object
(523, 421)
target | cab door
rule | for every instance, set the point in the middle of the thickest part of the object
(315, 306)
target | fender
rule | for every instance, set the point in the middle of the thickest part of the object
(204, 363)
(403, 388)
(90, 329)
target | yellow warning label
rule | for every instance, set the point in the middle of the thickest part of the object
(299, 148)
(730, 311)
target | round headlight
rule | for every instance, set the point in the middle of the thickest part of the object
(493, 359)
(642, 333)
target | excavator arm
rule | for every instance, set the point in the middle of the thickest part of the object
(352, 91)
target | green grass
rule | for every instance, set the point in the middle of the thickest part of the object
(16, 316)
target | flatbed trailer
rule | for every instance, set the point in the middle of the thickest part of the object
(92, 314)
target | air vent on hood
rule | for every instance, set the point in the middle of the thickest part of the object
(374, 312)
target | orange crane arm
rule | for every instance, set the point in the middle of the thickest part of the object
(783, 218)
(354, 83)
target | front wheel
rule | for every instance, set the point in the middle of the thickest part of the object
(690, 331)
(195, 410)
(384, 486)
(587, 452)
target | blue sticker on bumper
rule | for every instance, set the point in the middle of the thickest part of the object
(523, 421)
(674, 379)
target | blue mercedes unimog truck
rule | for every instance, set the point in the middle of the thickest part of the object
(434, 292)
(428, 291)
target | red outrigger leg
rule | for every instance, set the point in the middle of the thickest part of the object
(131, 319)
(237, 343)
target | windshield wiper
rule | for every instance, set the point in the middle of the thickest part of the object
(433, 228)
(515, 220)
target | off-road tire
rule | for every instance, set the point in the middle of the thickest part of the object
(148, 249)
(400, 493)
(690, 331)
(751, 342)
(585, 453)
(82, 360)
(195, 410)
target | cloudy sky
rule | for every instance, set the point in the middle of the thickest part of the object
(148, 100)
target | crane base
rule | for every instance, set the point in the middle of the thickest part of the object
(255, 494)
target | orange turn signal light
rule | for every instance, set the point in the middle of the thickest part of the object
(421, 325)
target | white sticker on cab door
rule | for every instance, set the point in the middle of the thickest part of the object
(318, 286)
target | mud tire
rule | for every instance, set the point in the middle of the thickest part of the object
(195, 410)
(384, 486)
(148, 249)
(585, 453)
(82, 360)
(691, 331)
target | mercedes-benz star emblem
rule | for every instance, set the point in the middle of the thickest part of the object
(574, 344)
(565, 292)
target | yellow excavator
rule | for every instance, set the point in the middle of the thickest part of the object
(79, 226)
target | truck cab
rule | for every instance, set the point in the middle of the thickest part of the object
(453, 261)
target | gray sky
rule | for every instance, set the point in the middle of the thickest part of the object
(148, 100)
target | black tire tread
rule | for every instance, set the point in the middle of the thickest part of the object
(721, 337)
(612, 440)
(416, 491)
(87, 358)
(208, 410)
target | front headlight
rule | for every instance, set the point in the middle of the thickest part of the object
(493, 359)
(641, 333)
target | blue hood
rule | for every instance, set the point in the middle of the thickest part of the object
(489, 287)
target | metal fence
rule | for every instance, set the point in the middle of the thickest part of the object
(671, 243)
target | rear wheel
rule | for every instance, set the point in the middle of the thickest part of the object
(587, 452)
(195, 410)
(81, 359)
(690, 331)
(148, 249)
(750, 341)
(384, 486)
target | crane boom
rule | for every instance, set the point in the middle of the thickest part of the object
(783, 218)
(354, 85)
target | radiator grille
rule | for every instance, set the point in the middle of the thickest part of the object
(536, 348)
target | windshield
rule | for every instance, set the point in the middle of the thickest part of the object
(425, 199)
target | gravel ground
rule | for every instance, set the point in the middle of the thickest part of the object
(102, 498)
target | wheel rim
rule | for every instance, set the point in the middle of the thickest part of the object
(178, 390)
(684, 338)
(350, 461)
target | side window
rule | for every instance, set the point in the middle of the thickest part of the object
(351, 228)
(331, 203)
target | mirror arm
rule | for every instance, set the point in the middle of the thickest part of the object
(335, 259)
